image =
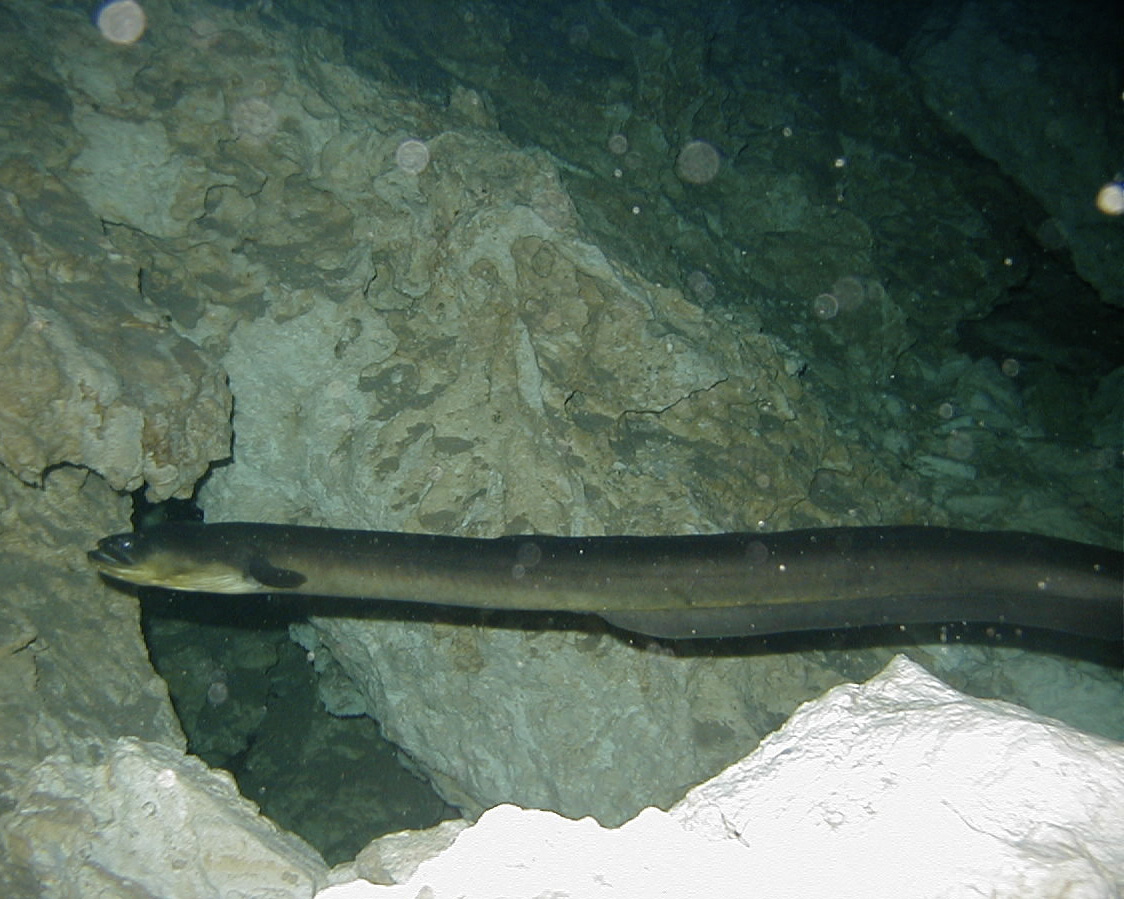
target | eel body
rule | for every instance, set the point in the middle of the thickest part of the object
(714, 585)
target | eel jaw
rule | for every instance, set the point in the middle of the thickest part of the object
(124, 557)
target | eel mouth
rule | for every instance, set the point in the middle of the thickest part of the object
(122, 556)
(117, 551)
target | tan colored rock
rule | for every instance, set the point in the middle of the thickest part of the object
(90, 374)
(74, 663)
(74, 673)
(529, 384)
(158, 824)
(92, 763)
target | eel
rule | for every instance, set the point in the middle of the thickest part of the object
(714, 585)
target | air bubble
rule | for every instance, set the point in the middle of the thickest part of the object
(412, 156)
(1110, 198)
(698, 162)
(218, 693)
(528, 554)
(121, 21)
(825, 306)
(756, 552)
(618, 144)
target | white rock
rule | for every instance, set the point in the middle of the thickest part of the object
(146, 820)
(898, 787)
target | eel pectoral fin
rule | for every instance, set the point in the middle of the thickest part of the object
(269, 575)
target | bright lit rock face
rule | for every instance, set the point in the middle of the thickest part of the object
(155, 809)
(897, 787)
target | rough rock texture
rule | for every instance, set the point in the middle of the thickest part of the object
(96, 392)
(90, 374)
(835, 179)
(505, 715)
(502, 374)
(248, 701)
(896, 787)
(500, 714)
(458, 347)
(529, 384)
(157, 823)
(1042, 109)
(86, 727)
(528, 369)
(902, 774)
(73, 669)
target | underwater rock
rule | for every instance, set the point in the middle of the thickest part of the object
(896, 787)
